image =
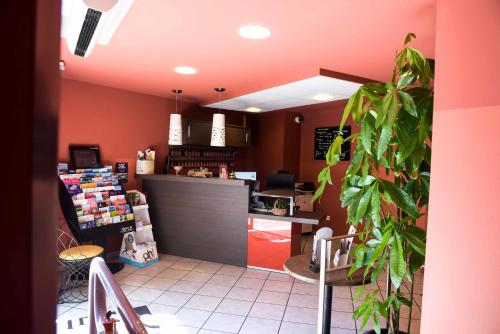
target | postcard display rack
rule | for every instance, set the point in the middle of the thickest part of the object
(139, 248)
(95, 206)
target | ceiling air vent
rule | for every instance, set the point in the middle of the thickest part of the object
(88, 28)
(83, 26)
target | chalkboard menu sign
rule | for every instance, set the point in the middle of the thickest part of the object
(323, 138)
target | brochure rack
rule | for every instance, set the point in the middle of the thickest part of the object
(139, 248)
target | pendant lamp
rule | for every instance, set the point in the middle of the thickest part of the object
(218, 125)
(175, 130)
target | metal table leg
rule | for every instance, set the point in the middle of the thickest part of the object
(327, 309)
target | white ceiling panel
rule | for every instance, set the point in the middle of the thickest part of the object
(318, 89)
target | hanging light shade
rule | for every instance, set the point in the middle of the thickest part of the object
(218, 126)
(175, 129)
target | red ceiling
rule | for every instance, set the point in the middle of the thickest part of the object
(358, 37)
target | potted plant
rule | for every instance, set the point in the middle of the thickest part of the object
(386, 186)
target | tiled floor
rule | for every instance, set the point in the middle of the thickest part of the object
(193, 296)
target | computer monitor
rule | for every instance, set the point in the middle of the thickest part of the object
(280, 180)
(246, 175)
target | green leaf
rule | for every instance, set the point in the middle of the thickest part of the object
(416, 238)
(348, 108)
(401, 198)
(319, 191)
(396, 262)
(349, 195)
(363, 205)
(375, 207)
(366, 181)
(405, 80)
(380, 266)
(408, 103)
(366, 135)
(416, 261)
(385, 138)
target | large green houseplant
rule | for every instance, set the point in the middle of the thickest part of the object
(386, 186)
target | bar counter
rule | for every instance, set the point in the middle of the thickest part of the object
(203, 218)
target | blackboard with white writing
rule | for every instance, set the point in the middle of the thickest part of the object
(323, 138)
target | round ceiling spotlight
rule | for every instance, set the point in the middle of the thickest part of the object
(184, 70)
(253, 109)
(254, 32)
(323, 97)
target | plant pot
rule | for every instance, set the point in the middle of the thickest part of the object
(382, 331)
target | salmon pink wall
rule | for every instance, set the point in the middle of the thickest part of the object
(462, 266)
(120, 122)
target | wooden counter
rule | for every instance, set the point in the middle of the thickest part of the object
(203, 218)
(301, 217)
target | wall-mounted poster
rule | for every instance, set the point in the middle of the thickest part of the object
(323, 138)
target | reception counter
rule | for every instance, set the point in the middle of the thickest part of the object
(203, 218)
(209, 219)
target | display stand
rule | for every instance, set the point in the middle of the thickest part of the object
(95, 206)
(139, 248)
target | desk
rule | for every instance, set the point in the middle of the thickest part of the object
(298, 267)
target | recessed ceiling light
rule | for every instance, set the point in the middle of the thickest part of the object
(253, 109)
(323, 97)
(184, 70)
(254, 32)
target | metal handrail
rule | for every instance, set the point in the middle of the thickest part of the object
(102, 283)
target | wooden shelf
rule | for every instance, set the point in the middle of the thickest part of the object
(201, 159)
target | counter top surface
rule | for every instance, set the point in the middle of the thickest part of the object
(302, 217)
(200, 180)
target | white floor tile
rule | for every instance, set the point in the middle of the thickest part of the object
(342, 305)
(195, 276)
(192, 318)
(214, 290)
(162, 309)
(230, 270)
(296, 328)
(185, 265)
(278, 286)
(267, 311)
(249, 283)
(243, 294)
(207, 331)
(62, 309)
(303, 300)
(305, 289)
(235, 307)
(160, 283)
(186, 287)
(255, 273)
(207, 267)
(146, 295)
(280, 277)
(135, 279)
(273, 297)
(223, 280)
(224, 322)
(173, 298)
(342, 292)
(127, 289)
(342, 320)
(301, 314)
(205, 303)
(260, 326)
(173, 273)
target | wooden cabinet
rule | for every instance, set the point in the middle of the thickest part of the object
(197, 132)
(200, 132)
(237, 136)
